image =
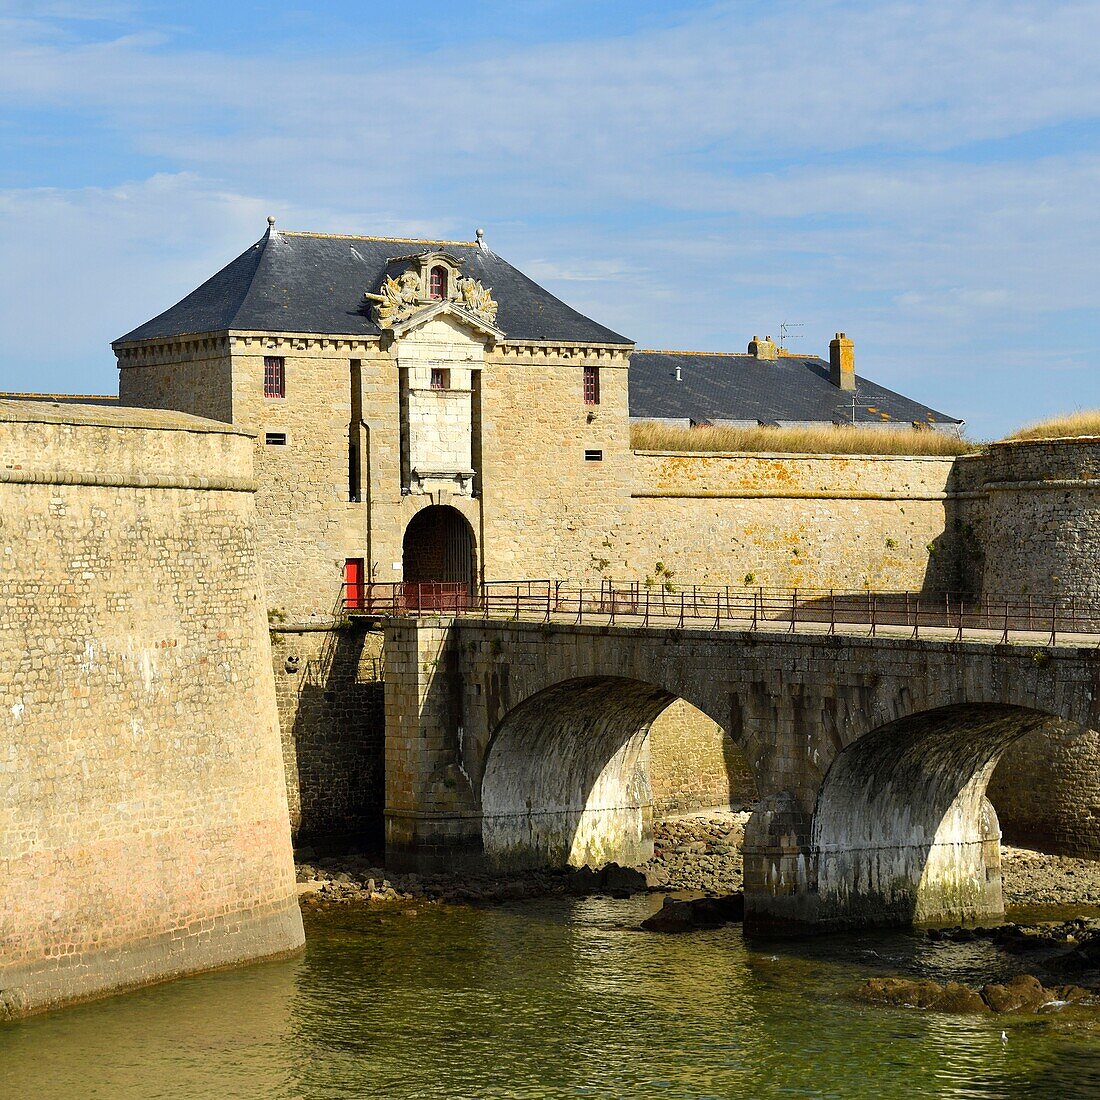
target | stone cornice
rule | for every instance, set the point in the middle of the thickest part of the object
(799, 456)
(128, 481)
(530, 351)
(140, 353)
(285, 342)
(1086, 484)
(143, 353)
(788, 494)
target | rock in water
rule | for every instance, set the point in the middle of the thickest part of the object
(623, 881)
(687, 916)
(1024, 993)
(619, 882)
(911, 993)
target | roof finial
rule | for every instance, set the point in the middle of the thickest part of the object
(271, 223)
(480, 234)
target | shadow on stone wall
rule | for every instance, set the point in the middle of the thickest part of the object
(695, 765)
(331, 709)
(1046, 790)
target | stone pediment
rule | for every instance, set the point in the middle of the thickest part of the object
(423, 314)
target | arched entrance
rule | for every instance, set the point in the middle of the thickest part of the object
(438, 548)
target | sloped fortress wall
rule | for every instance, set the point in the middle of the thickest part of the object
(143, 816)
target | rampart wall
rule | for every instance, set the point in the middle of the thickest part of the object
(805, 521)
(143, 815)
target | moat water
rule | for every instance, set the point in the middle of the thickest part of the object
(552, 998)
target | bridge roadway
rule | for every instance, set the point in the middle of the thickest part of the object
(522, 741)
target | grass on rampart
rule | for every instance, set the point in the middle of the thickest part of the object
(1086, 422)
(651, 436)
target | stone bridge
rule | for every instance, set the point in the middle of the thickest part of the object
(524, 744)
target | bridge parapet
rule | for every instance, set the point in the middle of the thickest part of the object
(1066, 618)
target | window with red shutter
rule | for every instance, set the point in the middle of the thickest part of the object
(591, 385)
(274, 376)
(437, 282)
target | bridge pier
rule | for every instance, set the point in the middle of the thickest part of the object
(432, 818)
(791, 881)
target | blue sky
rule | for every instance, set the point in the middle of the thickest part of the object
(924, 176)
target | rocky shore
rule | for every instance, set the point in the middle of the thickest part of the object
(703, 852)
(700, 853)
(356, 878)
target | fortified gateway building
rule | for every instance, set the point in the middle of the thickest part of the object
(424, 411)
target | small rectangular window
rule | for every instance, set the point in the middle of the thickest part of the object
(353, 473)
(591, 385)
(274, 376)
(275, 439)
(593, 456)
(441, 378)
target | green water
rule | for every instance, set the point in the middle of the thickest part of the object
(556, 998)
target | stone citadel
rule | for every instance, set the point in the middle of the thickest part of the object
(328, 414)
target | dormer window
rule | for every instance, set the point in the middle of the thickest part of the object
(437, 282)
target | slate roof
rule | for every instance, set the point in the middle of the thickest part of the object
(314, 283)
(741, 387)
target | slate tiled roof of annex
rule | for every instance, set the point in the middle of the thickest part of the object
(715, 386)
(314, 283)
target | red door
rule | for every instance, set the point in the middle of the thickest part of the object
(353, 584)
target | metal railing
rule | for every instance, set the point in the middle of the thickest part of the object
(732, 607)
(406, 598)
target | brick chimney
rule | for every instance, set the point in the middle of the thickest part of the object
(842, 362)
(763, 349)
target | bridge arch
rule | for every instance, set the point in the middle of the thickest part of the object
(566, 779)
(901, 829)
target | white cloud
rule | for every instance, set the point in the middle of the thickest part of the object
(687, 186)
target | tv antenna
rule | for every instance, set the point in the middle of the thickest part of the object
(850, 408)
(785, 332)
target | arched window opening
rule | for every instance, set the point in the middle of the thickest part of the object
(437, 282)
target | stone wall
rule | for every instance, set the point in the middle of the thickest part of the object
(695, 765)
(143, 817)
(1042, 518)
(190, 375)
(805, 521)
(329, 688)
(1047, 791)
(1030, 524)
(547, 511)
